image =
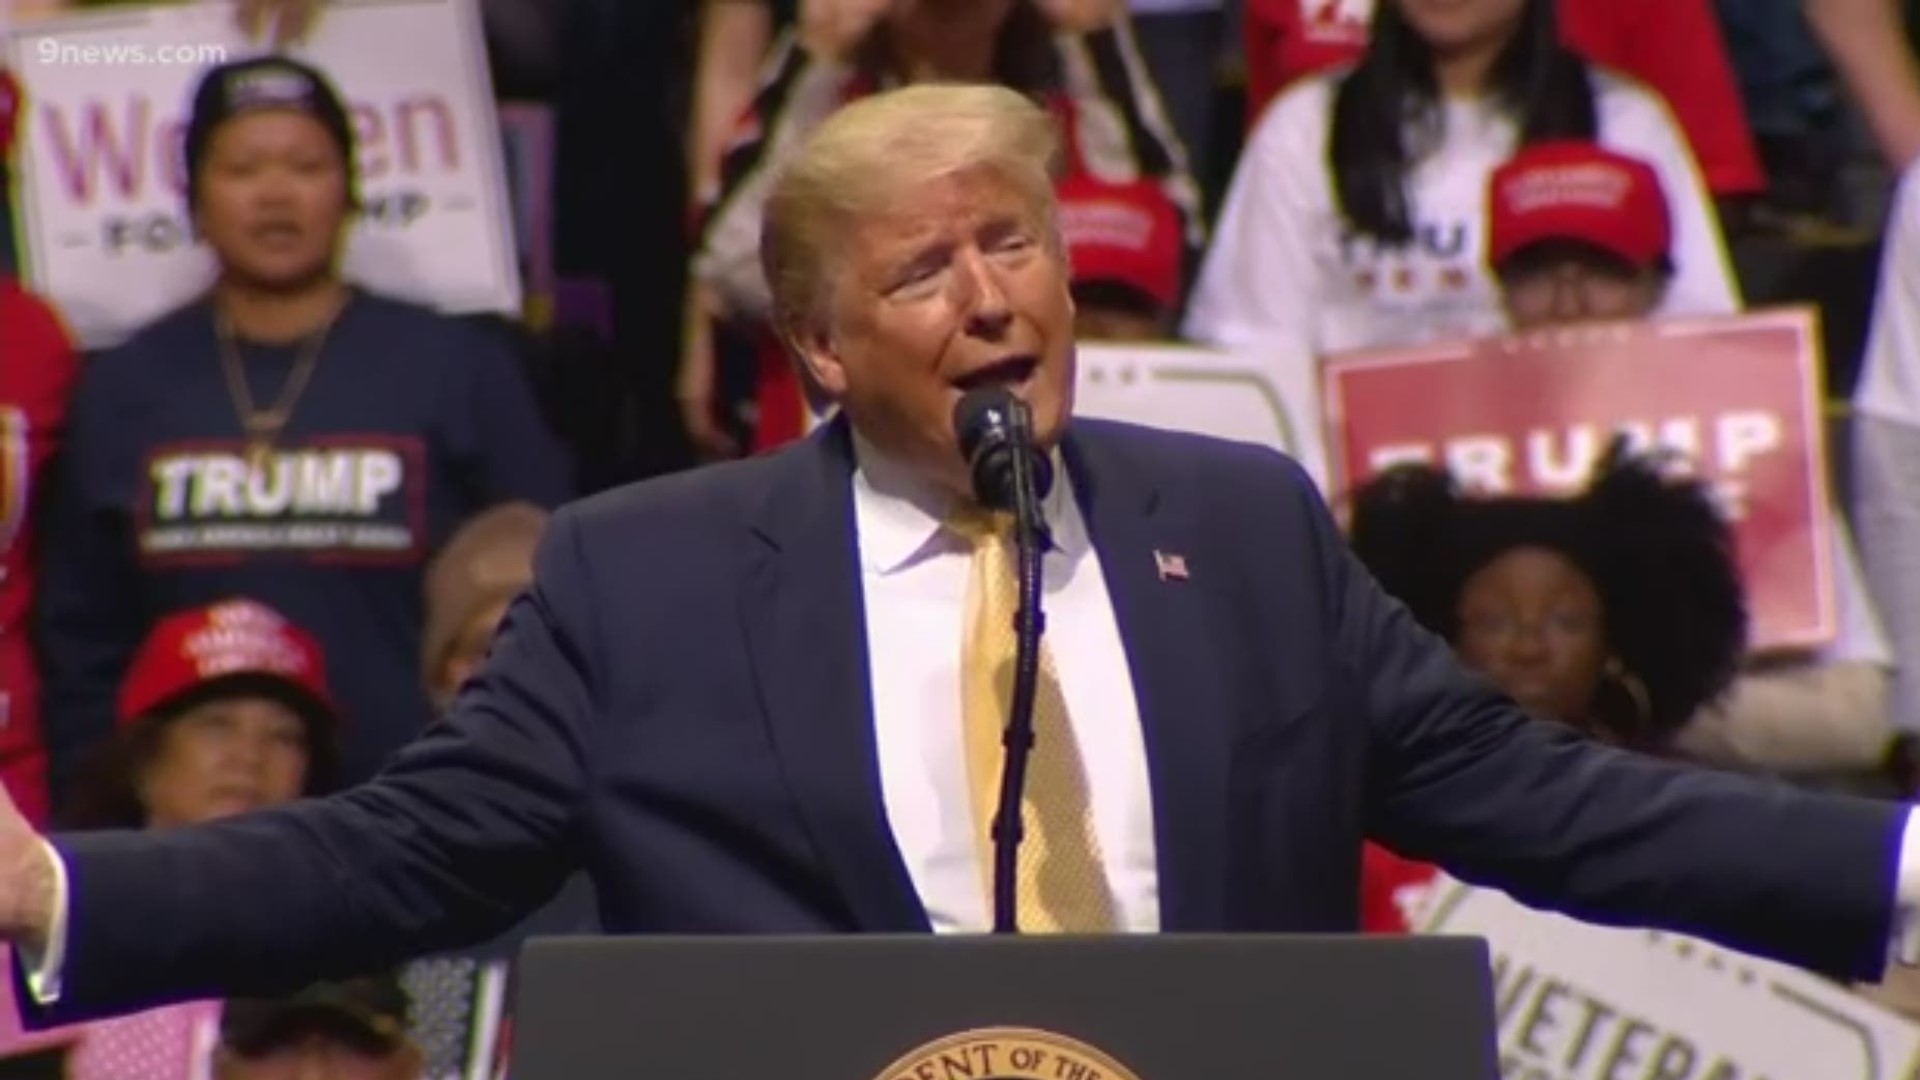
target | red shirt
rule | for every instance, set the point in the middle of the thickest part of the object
(37, 371)
(1674, 46)
(1383, 877)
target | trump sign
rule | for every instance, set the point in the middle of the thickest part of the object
(1737, 398)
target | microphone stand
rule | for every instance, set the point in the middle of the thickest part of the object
(1029, 623)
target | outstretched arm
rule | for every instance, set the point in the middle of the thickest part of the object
(470, 829)
(1460, 776)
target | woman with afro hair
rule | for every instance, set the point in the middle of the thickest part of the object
(1618, 612)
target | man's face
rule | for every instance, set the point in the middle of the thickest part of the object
(1557, 285)
(959, 284)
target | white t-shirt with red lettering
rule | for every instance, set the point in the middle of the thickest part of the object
(1288, 276)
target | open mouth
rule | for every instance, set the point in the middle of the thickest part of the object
(1012, 371)
(276, 232)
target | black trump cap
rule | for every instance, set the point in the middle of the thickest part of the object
(231, 90)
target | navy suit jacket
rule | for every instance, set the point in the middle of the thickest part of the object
(680, 707)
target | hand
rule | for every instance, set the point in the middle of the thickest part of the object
(278, 22)
(1081, 16)
(26, 880)
(695, 383)
(833, 29)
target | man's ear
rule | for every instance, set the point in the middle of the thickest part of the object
(811, 340)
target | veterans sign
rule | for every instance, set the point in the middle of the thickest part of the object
(1579, 1002)
(1208, 392)
(1737, 397)
(102, 182)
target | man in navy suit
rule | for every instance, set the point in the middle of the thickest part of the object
(748, 699)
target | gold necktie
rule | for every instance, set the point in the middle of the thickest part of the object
(1062, 885)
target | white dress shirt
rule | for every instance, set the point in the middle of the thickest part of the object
(914, 581)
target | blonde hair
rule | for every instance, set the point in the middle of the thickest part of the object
(866, 153)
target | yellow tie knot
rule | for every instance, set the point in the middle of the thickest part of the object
(978, 525)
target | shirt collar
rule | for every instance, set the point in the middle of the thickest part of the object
(900, 516)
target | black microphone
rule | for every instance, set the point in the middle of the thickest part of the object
(996, 434)
(1009, 472)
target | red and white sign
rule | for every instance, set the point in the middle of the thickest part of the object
(1739, 397)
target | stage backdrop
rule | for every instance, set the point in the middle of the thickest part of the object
(101, 181)
(1738, 397)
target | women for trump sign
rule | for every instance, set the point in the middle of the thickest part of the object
(101, 177)
(1736, 399)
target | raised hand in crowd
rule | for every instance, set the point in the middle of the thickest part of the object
(1868, 43)
(833, 29)
(278, 22)
(1081, 16)
(696, 385)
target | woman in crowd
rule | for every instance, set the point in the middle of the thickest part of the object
(224, 710)
(1674, 46)
(1357, 218)
(1617, 613)
(1078, 54)
(287, 436)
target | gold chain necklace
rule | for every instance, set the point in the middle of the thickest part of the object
(263, 426)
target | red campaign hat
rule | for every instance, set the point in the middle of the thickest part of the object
(1578, 191)
(1125, 233)
(188, 650)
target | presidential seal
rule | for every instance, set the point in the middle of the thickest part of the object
(1006, 1053)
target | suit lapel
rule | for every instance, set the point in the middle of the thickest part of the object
(806, 632)
(1177, 684)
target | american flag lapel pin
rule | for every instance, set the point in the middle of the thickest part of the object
(1172, 567)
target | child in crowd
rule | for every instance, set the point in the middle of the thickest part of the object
(352, 1030)
(1124, 241)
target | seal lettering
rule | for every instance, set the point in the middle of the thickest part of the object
(1006, 1053)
